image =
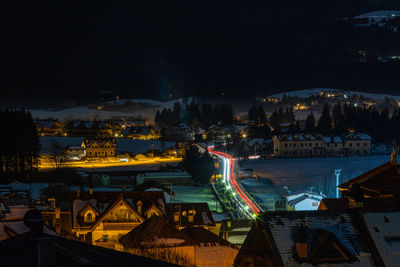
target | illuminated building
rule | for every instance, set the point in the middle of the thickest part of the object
(307, 145)
(97, 147)
(101, 218)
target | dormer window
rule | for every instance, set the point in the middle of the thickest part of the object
(89, 217)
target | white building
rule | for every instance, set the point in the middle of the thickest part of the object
(304, 201)
(307, 145)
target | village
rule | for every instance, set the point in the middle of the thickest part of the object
(186, 189)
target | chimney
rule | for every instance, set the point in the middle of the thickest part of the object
(301, 243)
(78, 193)
(34, 221)
(58, 213)
(139, 207)
(52, 203)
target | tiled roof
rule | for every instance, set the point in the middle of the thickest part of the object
(103, 201)
(383, 228)
(23, 250)
(203, 237)
(282, 226)
(202, 217)
(100, 141)
(155, 232)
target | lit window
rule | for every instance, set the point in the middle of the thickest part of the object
(89, 217)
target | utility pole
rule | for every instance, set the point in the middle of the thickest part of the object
(337, 173)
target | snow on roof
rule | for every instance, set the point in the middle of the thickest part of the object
(283, 225)
(252, 142)
(47, 141)
(384, 230)
(167, 174)
(16, 212)
(219, 217)
(45, 123)
(358, 136)
(299, 137)
(334, 139)
(294, 200)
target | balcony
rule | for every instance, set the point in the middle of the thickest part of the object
(119, 225)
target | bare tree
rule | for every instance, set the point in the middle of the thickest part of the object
(57, 154)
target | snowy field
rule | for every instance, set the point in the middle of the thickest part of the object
(123, 145)
(301, 174)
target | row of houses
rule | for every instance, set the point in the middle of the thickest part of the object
(89, 128)
(308, 145)
(138, 222)
(359, 229)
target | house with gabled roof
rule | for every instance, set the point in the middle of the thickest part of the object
(49, 127)
(190, 214)
(192, 246)
(32, 244)
(304, 201)
(381, 182)
(89, 128)
(101, 218)
(100, 147)
(304, 238)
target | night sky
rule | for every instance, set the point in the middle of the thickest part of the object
(72, 50)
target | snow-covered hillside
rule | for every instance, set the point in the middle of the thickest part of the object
(84, 112)
(379, 18)
(316, 91)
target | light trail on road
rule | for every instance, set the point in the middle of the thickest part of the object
(230, 179)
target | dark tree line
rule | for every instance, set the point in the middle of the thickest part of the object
(258, 127)
(20, 145)
(379, 124)
(196, 115)
(382, 126)
(280, 116)
(199, 165)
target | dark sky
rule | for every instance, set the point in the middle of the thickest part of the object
(75, 49)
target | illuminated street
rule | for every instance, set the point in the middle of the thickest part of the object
(249, 206)
(47, 164)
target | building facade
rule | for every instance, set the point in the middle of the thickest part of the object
(307, 145)
(96, 147)
(101, 218)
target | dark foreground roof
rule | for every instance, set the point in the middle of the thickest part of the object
(203, 237)
(155, 232)
(27, 249)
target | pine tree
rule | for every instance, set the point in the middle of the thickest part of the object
(157, 118)
(274, 120)
(310, 124)
(324, 126)
(252, 114)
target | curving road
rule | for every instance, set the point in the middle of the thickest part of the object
(250, 208)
